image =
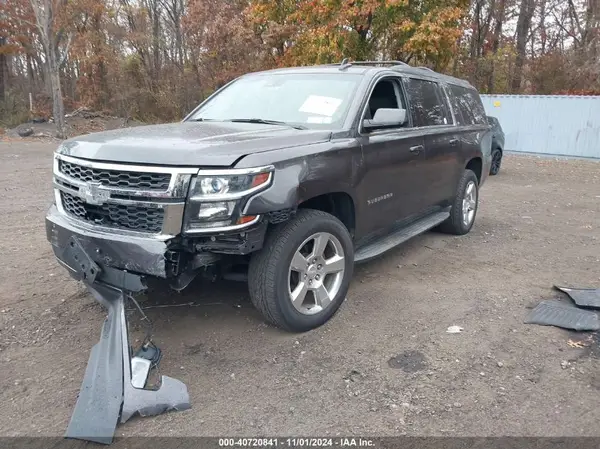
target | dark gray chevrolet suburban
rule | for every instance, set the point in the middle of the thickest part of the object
(285, 178)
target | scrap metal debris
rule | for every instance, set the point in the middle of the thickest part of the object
(583, 297)
(108, 391)
(565, 315)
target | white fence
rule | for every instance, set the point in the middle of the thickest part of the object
(548, 124)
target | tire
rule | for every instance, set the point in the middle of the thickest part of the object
(271, 277)
(496, 162)
(455, 224)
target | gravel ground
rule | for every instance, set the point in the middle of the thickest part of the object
(383, 366)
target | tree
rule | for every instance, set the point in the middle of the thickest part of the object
(53, 36)
(2, 69)
(325, 31)
(499, 17)
(523, 28)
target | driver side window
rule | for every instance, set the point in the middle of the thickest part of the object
(386, 94)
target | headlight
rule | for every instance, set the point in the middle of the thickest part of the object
(217, 197)
(227, 186)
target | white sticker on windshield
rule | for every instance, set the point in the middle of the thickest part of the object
(318, 119)
(316, 104)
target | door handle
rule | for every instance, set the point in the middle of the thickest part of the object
(417, 149)
(453, 142)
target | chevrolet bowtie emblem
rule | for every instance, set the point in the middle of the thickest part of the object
(94, 193)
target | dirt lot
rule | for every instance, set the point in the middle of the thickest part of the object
(538, 225)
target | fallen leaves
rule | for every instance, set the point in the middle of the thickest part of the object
(581, 344)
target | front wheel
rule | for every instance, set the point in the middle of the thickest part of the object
(301, 276)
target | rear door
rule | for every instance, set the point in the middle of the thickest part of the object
(473, 129)
(432, 115)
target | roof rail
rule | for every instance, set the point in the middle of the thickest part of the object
(425, 68)
(345, 63)
(379, 63)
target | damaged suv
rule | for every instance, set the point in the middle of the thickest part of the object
(285, 178)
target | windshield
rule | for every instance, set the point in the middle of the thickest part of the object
(307, 100)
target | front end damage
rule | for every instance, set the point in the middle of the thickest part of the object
(108, 258)
(117, 229)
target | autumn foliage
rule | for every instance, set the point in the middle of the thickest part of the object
(326, 31)
(156, 59)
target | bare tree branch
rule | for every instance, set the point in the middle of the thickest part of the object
(562, 27)
(65, 54)
(575, 17)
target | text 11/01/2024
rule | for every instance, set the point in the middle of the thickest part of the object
(296, 442)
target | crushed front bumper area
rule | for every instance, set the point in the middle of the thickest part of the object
(127, 261)
(113, 259)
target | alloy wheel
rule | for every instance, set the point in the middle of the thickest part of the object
(469, 204)
(316, 273)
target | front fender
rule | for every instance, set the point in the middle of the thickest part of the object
(333, 169)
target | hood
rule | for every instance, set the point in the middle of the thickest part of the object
(188, 143)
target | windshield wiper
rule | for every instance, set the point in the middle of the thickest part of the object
(202, 119)
(265, 122)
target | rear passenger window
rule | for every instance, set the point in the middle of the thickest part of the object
(466, 103)
(427, 103)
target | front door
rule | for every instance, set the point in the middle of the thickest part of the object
(394, 160)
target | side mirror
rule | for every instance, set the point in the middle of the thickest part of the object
(386, 117)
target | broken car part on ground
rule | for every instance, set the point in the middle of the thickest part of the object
(583, 297)
(108, 391)
(569, 314)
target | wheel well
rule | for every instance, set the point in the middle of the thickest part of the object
(338, 204)
(476, 166)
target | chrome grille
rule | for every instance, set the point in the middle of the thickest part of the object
(137, 198)
(133, 218)
(115, 178)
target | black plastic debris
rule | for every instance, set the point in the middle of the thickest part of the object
(583, 297)
(107, 394)
(563, 314)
